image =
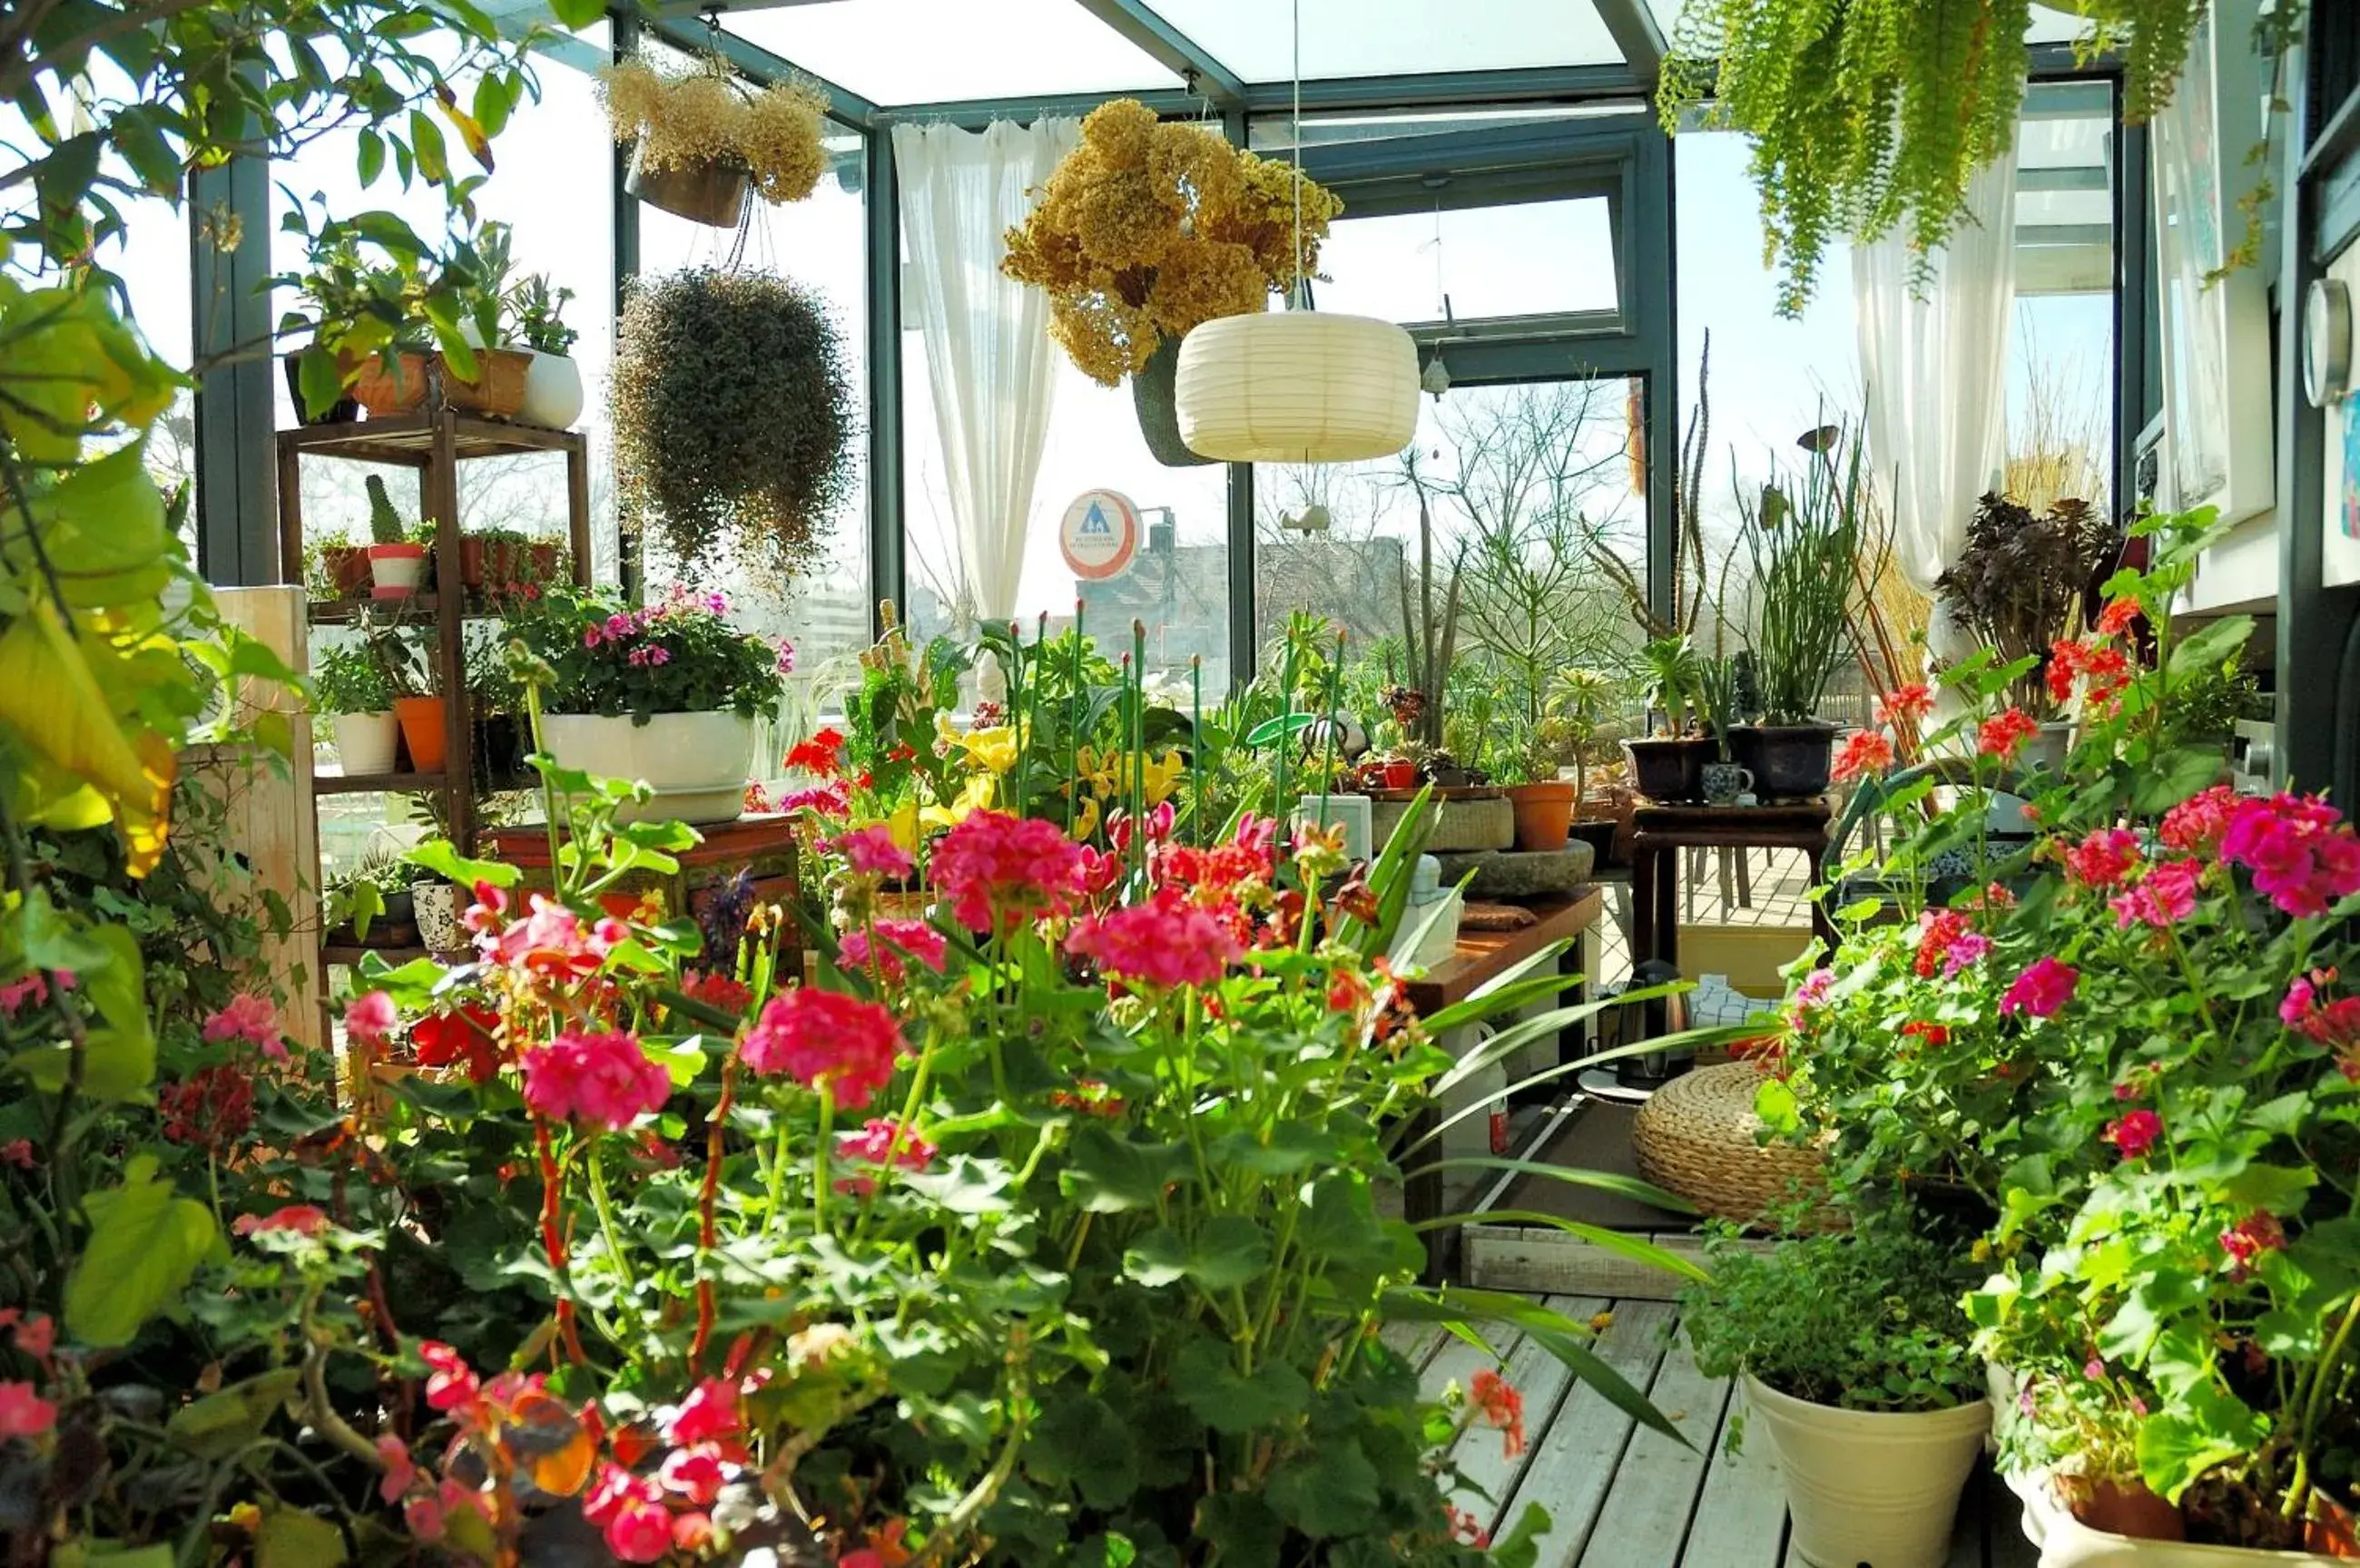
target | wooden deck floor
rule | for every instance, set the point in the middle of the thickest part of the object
(1623, 1496)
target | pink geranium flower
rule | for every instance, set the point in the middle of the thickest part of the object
(2196, 824)
(2004, 736)
(1164, 943)
(871, 852)
(2103, 858)
(1866, 754)
(2302, 855)
(2134, 1134)
(995, 869)
(2258, 1233)
(883, 1143)
(2162, 898)
(825, 1039)
(370, 1018)
(893, 939)
(23, 1411)
(2042, 989)
(1906, 704)
(595, 1079)
(251, 1018)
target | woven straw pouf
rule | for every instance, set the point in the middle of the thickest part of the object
(1697, 1137)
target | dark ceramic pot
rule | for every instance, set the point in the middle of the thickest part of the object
(1600, 837)
(343, 412)
(1789, 762)
(1158, 407)
(1669, 769)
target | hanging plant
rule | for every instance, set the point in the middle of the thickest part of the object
(1869, 115)
(705, 121)
(1147, 229)
(733, 420)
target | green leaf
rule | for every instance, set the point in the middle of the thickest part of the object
(1284, 1149)
(1107, 1175)
(577, 14)
(119, 1056)
(1227, 1252)
(1630, 1187)
(1521, 1547)
(1283, 725)
(218, 1425)
(2177, 1445)
(2175, 776)
(426, 143)
(443, 858)
(1079, 1441)
(2209, 647)
(1208, 1383)
(1552, 1330)
(290, 1538)
(1329, 1491)
(1241, 1527)
(369, 162)
(146, 1241)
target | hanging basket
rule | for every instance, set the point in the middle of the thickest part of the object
(709, 193)
(1159, 411)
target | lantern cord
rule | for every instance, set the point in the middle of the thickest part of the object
(1295, 296)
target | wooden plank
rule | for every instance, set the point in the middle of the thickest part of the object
(1488, 1472)
(1741, 1517)
(1573, 1462)
(1644, 1523)
(1536, 1259)
(1412, 1342)
(1457, 1361)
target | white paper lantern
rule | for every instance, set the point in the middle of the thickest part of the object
(1297, 386)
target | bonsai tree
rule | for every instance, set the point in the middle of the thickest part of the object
(733, 420)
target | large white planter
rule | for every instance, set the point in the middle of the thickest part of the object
(696, 763)
(2066, 1542)
(1870, 1488)
(365, 742)
(553, 392)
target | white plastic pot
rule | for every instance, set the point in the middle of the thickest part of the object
(2066, 1542)
(365, 742)
(696, 763)
(553, 392)
(396, 569)
(1870, 1488)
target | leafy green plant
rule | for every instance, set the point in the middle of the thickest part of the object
(1866, 1318)
(678, 656)
(1716, 699)
(352, 680)
(1674, 671)
(733, 420)
(537, 309)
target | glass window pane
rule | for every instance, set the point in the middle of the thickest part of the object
(2050, 24)
(1176, 583)
(1528, 259)
(1383, 38)
(926, 51)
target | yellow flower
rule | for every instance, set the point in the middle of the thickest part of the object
(903, 827)
(1163, 776)
(977, 795)
(994, 748)
(1087, 822)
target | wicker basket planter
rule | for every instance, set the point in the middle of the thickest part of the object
(1698, 1135)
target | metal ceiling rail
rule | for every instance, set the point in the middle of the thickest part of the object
(1633, 24)
(1443, 89)
(761, 64)
(1171, 49)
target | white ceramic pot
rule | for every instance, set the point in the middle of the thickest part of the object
(437, 907)
(1870, 1488)
(396, 569)
(553, 392)
(696, 763)
(2066, 1542)
(365, 742)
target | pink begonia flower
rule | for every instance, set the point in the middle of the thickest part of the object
(23, 1411)
(37, 1335)
(994, 867)
(872, 1144)
(1164, 943)
(2042, 989)
(696, 1473)
(829, 797)
(370, 1018)
(251, 1018)
(825, 1039)
(628, 1509)
(595, 1079)
(400, 1470)
(33, 987)
(301, 1219)
(872, 852)
(895, 938)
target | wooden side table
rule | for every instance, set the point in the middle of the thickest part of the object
(1659, 831)
(1481, 958)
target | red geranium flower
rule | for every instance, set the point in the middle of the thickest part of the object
(2004, 736)
(1865, 753)
(823, 754)
(826, 1038)
(465, 1035)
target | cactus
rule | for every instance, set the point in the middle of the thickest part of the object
(1429, 645)
(385, 523)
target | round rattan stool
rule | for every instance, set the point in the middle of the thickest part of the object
(1695, 1137)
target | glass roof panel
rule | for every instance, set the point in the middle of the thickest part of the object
(1383, 37)
(931, 51)
(2050, 24)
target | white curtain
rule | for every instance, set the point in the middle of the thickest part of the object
(1936, 367)
(988, 356)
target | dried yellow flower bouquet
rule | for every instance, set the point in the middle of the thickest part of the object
(707, 116)
(1147, 229)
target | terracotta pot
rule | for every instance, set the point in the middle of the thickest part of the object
(2122, 1510)
(498, 391)
(471, 562)
(400, 389)
(347, 566)
(1544, 814)
(706, 193)
(1789, 762)
(421, 728)
(544, 562)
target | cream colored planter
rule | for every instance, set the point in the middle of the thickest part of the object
(1870, 1488)
(553, 392)
(2066, 1542)
(365, 742)
(696, 763)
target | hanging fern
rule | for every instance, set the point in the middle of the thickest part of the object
(1867, 115)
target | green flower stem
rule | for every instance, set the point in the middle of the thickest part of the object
(621, 1260)
(774, 1194)
(910, 1105)
(820, 1154)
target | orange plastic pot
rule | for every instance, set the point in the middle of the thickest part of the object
(421, 729)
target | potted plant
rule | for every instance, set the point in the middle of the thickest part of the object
(733, 420)
(544, 558)
(397, 562)
(408, 675)
(1583, 701)
(1852, 1346)
(364, 324)
(700, 138)
(552, 387)
(1716, 699)
(1669, 763)
(1803, 547)
(351, 687)
(344, 566)
(497, 558)
(371, 905)
(666, 694)
(495, 707)
(1209, 230)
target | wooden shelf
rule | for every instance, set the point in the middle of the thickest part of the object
(407, 440)
(375, 783)
(344, 612)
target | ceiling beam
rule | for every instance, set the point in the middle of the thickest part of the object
(1450, 88)
(1171, 49)
(762, 65)
(2074, 177)
(973, 114)
(1633, 23)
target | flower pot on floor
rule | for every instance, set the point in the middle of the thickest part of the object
(365, 742)
(1789, 762)
(497, 391)
(1872, 1488)
(709, 193)
(385, 390)
(421, 729)
(1544, 814)
(1156, 402)
(553, 392)
(2066, 1541)
(696, 763)
(347, 567)
(1670, 768)
(395, 570)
